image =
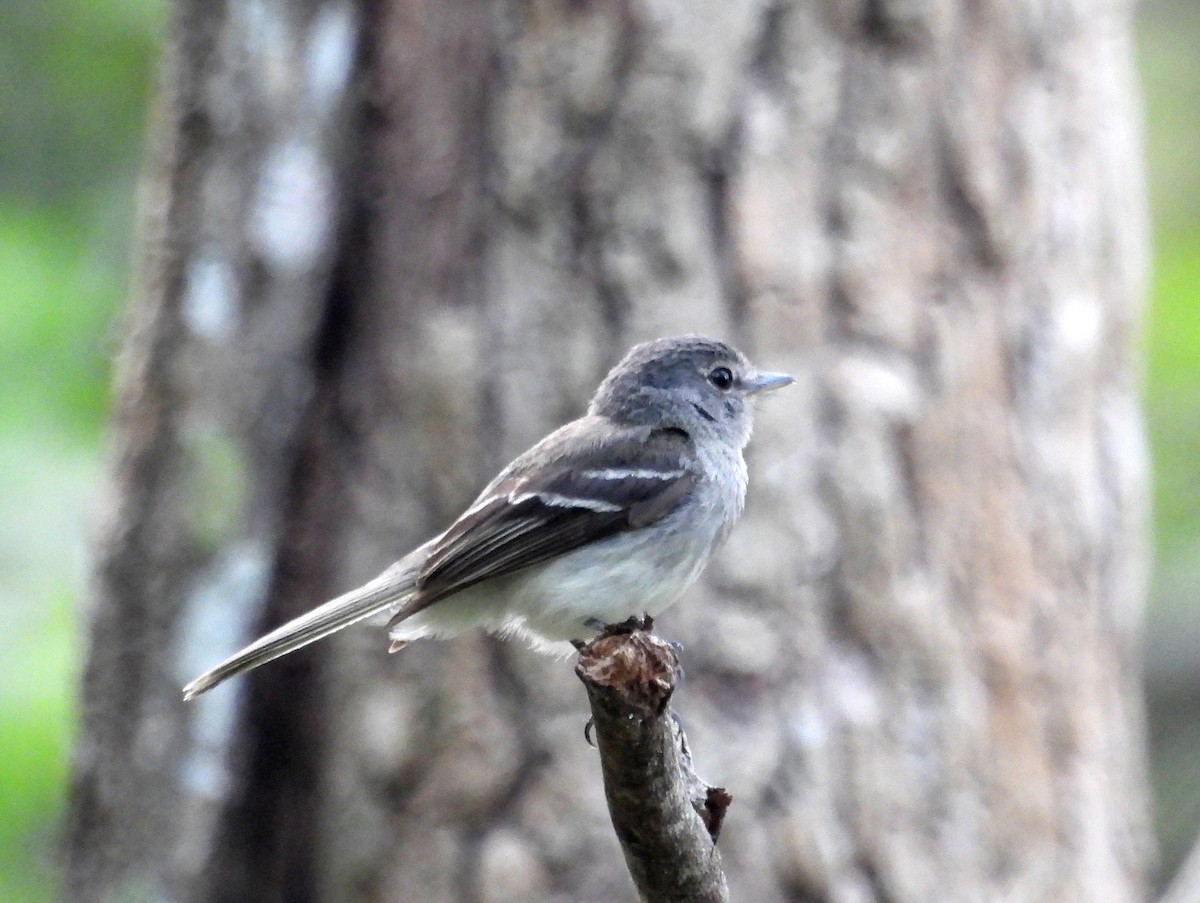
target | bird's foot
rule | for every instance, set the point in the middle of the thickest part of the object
(602, 629)
(629, 625)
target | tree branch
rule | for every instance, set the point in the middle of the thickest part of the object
(666, 819)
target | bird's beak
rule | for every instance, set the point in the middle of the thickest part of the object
(765, 382)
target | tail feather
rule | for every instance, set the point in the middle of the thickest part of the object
(387, 591)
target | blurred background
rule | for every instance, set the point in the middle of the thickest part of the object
(76, 78)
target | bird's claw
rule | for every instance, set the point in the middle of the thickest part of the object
(587, 732)
(629, 625)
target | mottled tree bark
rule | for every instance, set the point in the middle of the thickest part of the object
(387, 246)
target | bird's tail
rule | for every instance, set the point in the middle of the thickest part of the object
(387, 591)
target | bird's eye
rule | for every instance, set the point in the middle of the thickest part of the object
(721, 377)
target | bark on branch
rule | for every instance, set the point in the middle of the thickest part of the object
(666, 819)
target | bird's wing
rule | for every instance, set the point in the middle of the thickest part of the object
(595, 488)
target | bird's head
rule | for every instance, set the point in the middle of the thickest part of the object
(692, 383)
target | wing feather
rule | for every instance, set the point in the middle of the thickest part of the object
(591, 490)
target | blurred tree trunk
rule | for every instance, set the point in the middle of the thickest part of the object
(385, 247)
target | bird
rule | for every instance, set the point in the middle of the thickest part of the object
(610, 516)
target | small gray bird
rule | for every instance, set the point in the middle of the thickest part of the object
(613, 515)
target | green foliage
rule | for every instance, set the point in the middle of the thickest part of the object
(1170, 68)
(1172, 404)
(59, 298)
(35, 717)
(75, 76)
(79, 72)
(1173, 394)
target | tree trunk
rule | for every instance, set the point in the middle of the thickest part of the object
(387, 247)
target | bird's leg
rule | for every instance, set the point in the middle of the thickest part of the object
(591, 722)
(636, 622)
(629, 625)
